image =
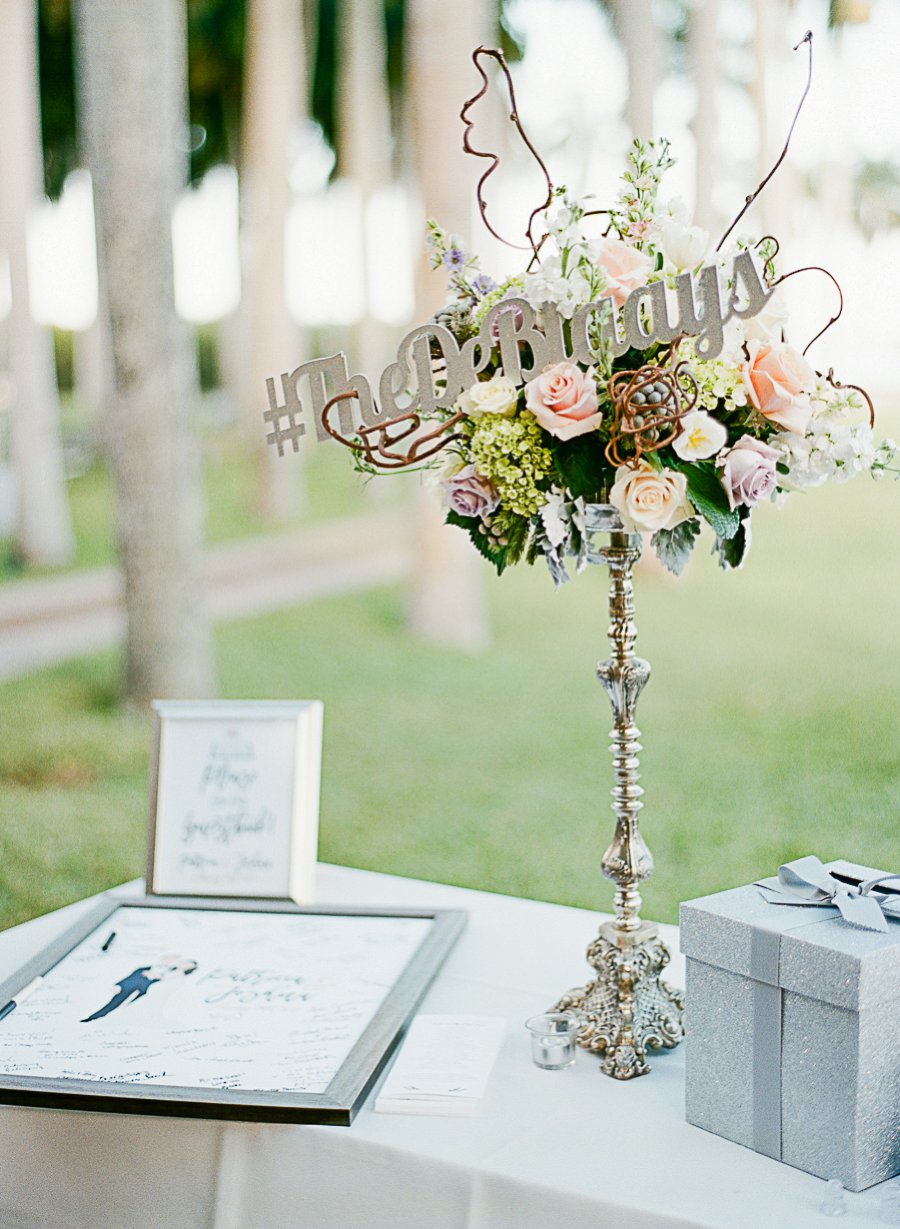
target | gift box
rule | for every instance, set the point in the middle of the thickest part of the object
(793, 1019)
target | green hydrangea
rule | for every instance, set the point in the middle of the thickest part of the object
(719, 382)
(509, 452)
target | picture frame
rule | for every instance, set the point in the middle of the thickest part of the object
(288, 1014)
(234, 798)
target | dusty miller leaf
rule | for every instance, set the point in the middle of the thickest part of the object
(733, 551)
(674, 546)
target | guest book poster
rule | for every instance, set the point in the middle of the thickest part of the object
(206, 999)
(225, 806)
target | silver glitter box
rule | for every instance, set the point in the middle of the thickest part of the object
(827, 1098)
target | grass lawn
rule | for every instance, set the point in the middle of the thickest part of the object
(327, 487)
(771, 727)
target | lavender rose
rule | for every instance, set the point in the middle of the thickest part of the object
(748, 472)
(468, 494)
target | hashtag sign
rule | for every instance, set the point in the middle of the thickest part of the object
(287, 414)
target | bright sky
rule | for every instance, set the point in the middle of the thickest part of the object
(571, 87)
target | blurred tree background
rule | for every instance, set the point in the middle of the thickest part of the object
(283, 208)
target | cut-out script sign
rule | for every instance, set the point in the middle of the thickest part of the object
(432, 368)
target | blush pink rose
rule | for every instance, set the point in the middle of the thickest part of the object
(625, 267)
(748, 472)
(563, 400)
(778, 379)
(468, 494)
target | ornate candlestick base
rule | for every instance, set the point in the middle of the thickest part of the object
(626, 1009)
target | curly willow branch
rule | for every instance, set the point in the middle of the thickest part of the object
(856, 388)
(808, 39)
(769, 266)
(469, 148)
(376, 443)
(835, 318)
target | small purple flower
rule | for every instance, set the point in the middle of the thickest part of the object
(454, 258)
(483, 285)
(468, 494)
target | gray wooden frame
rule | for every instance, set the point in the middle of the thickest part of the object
(337, 1106)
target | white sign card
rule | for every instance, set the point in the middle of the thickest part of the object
(234, 798)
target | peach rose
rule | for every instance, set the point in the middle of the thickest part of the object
(625, 267)
(777, 379)
(563, 400)
(649, 499)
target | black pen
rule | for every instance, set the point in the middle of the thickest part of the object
(20, 998)
(108, 944)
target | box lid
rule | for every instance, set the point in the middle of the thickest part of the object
(820, 956)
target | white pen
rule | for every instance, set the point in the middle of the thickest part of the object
(20, 997)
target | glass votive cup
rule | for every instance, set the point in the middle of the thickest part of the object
(553, 1039)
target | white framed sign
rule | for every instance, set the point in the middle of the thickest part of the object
(234, 798)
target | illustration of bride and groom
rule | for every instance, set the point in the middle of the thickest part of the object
(131, 989)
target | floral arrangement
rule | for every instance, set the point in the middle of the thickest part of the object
(628, 364)
(669, 437)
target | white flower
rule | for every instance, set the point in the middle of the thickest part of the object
(546, 284)
(564, 224)
(498, 395)
(684, 247)
(768, 325)
(701, 437)
(830, 452)
(674, 210)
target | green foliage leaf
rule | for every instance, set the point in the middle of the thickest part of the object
(674, 546)
(708, 496)
(515, 530)
(582, 465)
(480, 541)
(733, 551)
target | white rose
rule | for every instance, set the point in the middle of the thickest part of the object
(498, 395)
(702, 436)
(649, 499)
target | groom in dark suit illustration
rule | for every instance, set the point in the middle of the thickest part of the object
(136, 984)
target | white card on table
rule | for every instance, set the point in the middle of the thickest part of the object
(444, 1065)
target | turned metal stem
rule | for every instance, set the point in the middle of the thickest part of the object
(627, 1009)
(627, 861)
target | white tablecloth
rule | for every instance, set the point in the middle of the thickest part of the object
(547, 1148)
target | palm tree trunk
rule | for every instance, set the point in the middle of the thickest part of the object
(447, 604)
(131, 62)
(274, 94)
(44, 526)
(364, 143)
(704, 47)
(637, 30)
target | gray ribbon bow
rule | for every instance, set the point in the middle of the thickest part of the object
(805, 881)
